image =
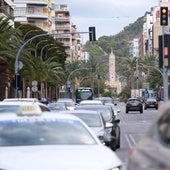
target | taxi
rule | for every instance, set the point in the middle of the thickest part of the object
(22, 107)
(52, 141)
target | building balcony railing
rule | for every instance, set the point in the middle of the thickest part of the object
(62, 19)
(64, 27)
(36, 2)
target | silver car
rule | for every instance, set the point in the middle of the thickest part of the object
(52, 141)
(153, 150)
(96, 122)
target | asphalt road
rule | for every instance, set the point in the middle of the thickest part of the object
(133, 126)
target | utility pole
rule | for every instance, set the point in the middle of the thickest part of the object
(164, 14)
(165, 69)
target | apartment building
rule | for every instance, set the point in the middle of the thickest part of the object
(37, 12)
(7, 8)
(67, 33)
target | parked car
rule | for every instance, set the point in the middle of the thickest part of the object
(108, 115)
(60, 141)
(134, 104)
(95, 121)
(152, 152)
(151, 103)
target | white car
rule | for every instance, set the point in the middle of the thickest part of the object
(52, 141)
(69, 103)
(152, 152)
(91, 102)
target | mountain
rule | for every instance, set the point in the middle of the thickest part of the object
(119, 43)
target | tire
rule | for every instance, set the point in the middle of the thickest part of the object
(118, 144)
(145, 108)
(126, 110)
(141, 111)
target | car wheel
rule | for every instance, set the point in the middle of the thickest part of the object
(118, 143)
(145, 108)
(141, 111)
(126, 110)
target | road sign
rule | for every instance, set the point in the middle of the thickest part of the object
(34, 88)
(34, 83)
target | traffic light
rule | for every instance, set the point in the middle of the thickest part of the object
(164, 16)
(92, 34)
(164, 52)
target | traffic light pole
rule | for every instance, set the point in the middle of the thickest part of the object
(165, 70)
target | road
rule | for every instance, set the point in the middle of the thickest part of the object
(133, 126)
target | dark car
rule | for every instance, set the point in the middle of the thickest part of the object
(134, 104)
(151, 103)
(108, 115)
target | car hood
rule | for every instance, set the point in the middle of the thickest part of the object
(61, 157)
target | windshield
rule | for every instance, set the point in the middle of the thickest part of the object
(10, 108)
(92, 120)
(44, 132)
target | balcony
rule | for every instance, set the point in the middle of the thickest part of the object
(33, 2)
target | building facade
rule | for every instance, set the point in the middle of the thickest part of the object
(35, 12)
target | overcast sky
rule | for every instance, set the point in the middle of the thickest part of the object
(108, 16)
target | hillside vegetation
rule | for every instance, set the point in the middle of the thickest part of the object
(119, 43)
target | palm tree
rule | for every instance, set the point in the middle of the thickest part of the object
(10, 40)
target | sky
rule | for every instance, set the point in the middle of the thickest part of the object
(108, 16)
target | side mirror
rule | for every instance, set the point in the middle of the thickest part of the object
(116, 121)
(108, 125)
(118, 111)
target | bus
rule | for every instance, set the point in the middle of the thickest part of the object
(83, 93)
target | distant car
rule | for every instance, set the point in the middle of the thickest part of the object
(106, 100)
(57, 106)
(69, 103)
(115, 109)
(95, 121)
(91, 102)
(59, 141)
(134, 104)
(108, 115)
(151, 103)
(152, 152)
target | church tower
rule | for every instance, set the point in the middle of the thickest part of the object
(114, 84)
(112, 71)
